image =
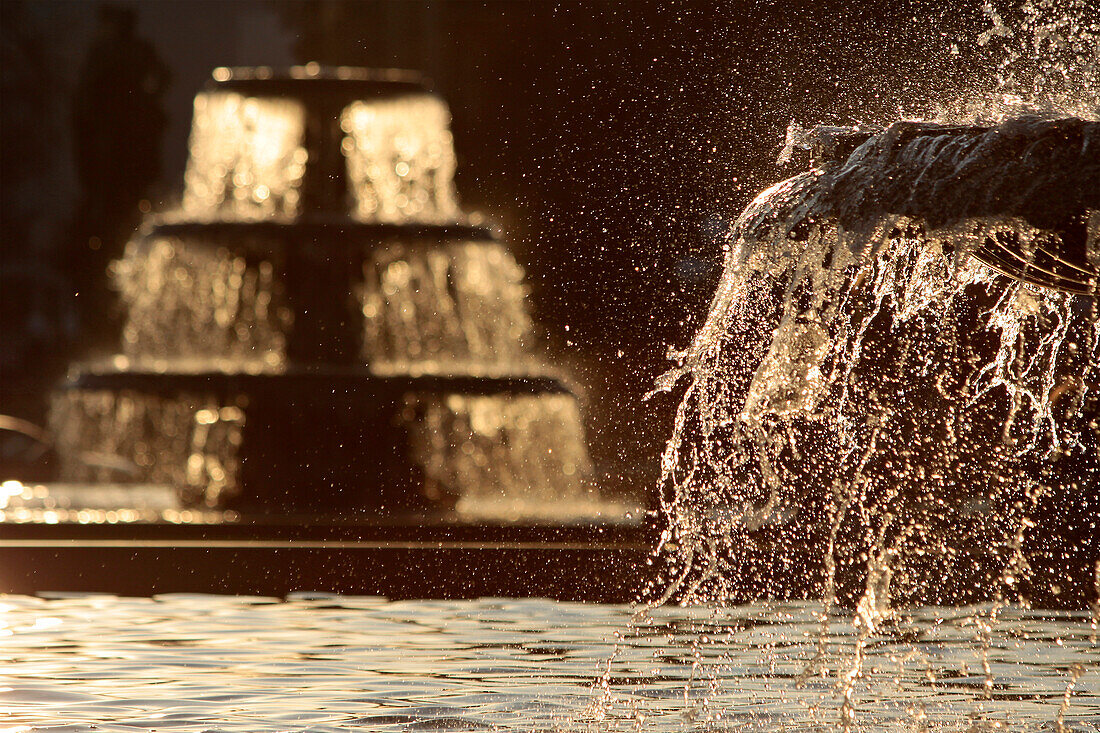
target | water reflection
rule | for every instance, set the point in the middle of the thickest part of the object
(331, 663)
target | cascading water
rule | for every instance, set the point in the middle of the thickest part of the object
(858, 348)
(894, 401)
(320, 272)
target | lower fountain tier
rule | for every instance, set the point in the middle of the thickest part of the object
(333, 440)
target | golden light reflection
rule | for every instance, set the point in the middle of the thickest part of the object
(29, 515)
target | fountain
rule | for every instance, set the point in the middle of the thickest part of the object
(898, 375)
(891, 406)
(320, 342)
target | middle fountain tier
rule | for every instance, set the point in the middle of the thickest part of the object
(320, 328)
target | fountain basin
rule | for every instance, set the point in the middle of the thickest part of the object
(403, 556)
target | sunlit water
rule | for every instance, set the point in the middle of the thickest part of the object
(782, 396)
(330, 663)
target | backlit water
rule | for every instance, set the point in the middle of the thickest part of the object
(332, 663)
(765, 374)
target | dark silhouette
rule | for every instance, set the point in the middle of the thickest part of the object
(36, 319)
(118, 121)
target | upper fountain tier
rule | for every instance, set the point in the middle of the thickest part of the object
(320, 143)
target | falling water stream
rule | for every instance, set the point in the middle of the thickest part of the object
(874, 411)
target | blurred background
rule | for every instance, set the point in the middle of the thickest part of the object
(614, 143)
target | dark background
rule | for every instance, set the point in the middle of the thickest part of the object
(613, 141)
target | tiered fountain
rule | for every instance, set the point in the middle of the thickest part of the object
(321, 347)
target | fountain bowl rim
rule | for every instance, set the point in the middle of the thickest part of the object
(306, 377)
(313, 225)
(314, 79)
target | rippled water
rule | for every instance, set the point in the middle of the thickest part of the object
(328, 663)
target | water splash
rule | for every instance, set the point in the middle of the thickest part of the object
(871, 412)
(1047, 60)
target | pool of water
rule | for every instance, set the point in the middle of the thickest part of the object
(338, 663)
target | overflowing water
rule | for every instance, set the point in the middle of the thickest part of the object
(875, 414)
(320, 238)
(189, 442)
(247, 157)
(201, 307)
(462, 306)
(505, 457)
(401, 160)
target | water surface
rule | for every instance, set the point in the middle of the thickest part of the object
(334, 663)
